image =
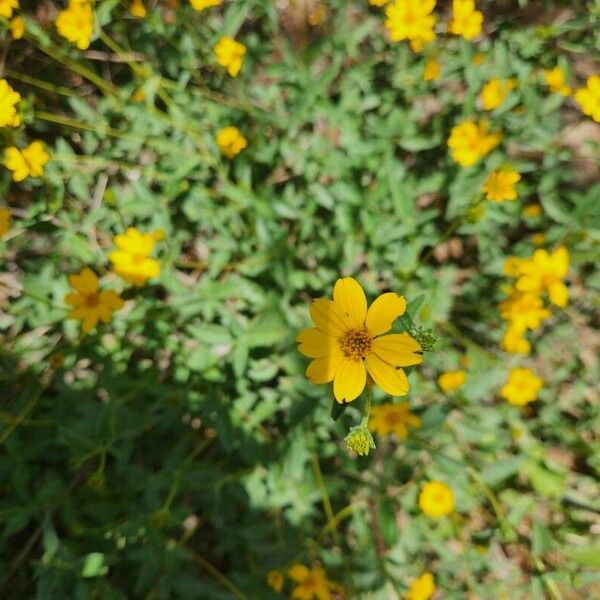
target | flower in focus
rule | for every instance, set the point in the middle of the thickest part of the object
(452, 380)
(137, 9)
(466, 21)
(8, 109)
(311, 583)
(432, 70)
(421, 588)
(203, 4)
(470, 141)
(76, 23)
(494, 92)
(393, 418)
(532, 210)
(521, 387)
(360, 440)
(230, 54)
(412, 21)
(4, 221)
(500, 185)
(91, 305)
(275, 580)
(28, 162)
(436, 499)
(131, 261)
(7, 7)
(544, 272)
(17, 27)
(347, 342)
(555, 80)
(231, 141)
(589, 97)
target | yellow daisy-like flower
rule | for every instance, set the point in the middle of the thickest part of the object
(525, 310)
(538, 238)
(91, 305)
(521, 387)
(17, 27)
(4, 221)
(452, 380)
(137, 9)
(230, 54)
(436, 499)
(432, 70)
(8, 105)
(131, 261)
(500, 185)
(28, 162)
(347, 342)
(532, 210)
(412, 21)
(393, 418)
(275, 580)
(469, 142)
(466, 21)
(555, 80)
(204, 4)
(494, 92)
(514, 340)
(421, 588)
(544, 272)
(231, 141)
(7, 7)
(76, 23)
(589, 97)
(311, 583)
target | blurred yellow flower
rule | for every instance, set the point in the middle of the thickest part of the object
(4, 221)
(378, 2)
(521, 387)
(500, 185)
(589, 98)
(452, 380)
(17, 27)
(137, 9)
(8, 108)
(317, 15)
(478, 59)
(28, 162)
(7, 7)
(466, 21)
(230, 54)
(555, 80)
(412, 21)
(275, 580)
(494, 92)
(532, 210)
(544, 272)
(421, 588)
(347, 342)
(231, 141)
(311, 583)
(393, 418)
(538, 238)
(203, 4)
(91, 305)
(470, 141)
(525, 310)
(514, 340)
(76, 23)
(436, 499)
(131, 261)
(432, 69)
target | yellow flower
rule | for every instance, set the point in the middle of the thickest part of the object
(203, 4)
(317, 15)
(524, 310)
(131, 260)
(231, 141)
(378, 2)
(230, 54)
(538, 238)
(311, 583)
(421, 588)
(275, 580)
(469, 142)
(412, 21)
(76, 23)
(466, 21)
(478, 59)
(500, 185)
(4, 221)
(494, 92)
(28, 162)
(7, 7)
(8, 101)
(393, 418)
(452, 380)
(347, 342)
(137, 9)
(432, 70)
(589, 98)
(555, 80)
(522, 387)
(17, 27)
(514, 341)
(91, 305)
(436, 499)
(544, 272)
(532, 210)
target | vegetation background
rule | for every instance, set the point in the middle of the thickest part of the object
(178, 451)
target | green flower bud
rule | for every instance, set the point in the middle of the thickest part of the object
(360, 440)
(425, 337)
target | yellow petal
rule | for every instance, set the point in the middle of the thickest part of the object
(391, 380)
(559, 294)
(315, 344)
(398, 349)
(351, 299)
(350, 380)
(328, 317)
(298, 573)
(384, 311)
(560, 261)
(323, 370)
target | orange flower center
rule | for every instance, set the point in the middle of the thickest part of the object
(138, 259)
(356, 343)
(92, 300)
